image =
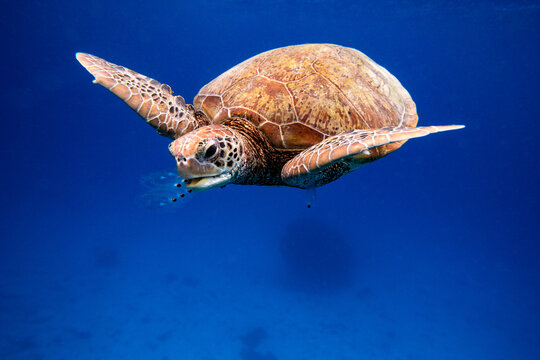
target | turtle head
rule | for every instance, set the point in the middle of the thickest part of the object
(207, 157)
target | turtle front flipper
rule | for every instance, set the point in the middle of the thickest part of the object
(343, 153)
(153, 101)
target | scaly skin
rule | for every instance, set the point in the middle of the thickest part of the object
(153, 101)
(232, 152)
(240, 155)
(343, 153)
(300, 116)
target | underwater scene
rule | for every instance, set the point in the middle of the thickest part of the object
(271, 233)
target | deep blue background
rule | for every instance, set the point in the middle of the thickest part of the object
(430, 253)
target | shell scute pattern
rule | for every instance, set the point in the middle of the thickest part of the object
(292, 95)
(299, 116)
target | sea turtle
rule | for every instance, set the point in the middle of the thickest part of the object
(299, 116)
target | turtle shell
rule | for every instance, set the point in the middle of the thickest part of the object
(299, 95)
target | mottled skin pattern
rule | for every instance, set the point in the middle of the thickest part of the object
(241, 153)
(343, 153)
(301, 116)
(153, 101)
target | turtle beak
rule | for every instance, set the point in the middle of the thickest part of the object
(207, 183)
(197, 168)
(200, 176)
(191, 168)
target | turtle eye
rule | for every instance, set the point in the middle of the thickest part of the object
(210, 151)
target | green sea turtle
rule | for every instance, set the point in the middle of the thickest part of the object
(299, 116)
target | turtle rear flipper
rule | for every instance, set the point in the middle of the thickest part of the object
(343, 153)
(153, 101)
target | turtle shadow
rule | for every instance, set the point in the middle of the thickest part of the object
(105, 258)
(315, 257)
(251, 341)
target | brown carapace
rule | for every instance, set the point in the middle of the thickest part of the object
(299, 116)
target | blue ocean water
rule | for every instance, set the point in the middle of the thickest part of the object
(430, 253)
